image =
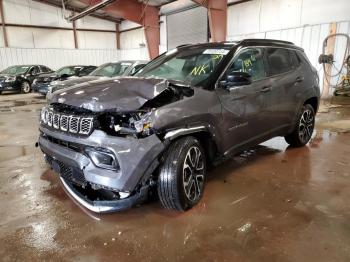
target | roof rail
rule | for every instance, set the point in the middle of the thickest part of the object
(267, 40)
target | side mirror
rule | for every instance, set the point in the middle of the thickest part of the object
(236, 79)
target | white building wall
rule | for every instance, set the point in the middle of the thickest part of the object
(54, 47)
(304, 22)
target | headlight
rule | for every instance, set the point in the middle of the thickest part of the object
(103, 158)
(144, 125)
(43, 115)
(34, 82)
(138, 124)
(10, 79)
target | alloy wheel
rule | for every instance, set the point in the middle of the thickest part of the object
(306, 125)
(193, 174)
(26, 87)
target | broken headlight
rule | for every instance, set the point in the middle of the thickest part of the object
(138, 124)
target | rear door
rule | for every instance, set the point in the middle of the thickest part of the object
(283, 71)
(244, 107)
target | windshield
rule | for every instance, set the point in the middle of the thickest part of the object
(110, 70)
(15, 70)
(192, 66)
(68, 70)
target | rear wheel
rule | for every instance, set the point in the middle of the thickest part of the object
(182, 175)
(304, 127)
(25, 87)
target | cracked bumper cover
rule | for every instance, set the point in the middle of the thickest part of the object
(137, 158)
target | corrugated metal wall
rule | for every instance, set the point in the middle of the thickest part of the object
(55, 58)
(303, 22)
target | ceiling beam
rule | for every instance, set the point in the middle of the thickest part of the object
(75, 9)
(140, 13)
(90, 10)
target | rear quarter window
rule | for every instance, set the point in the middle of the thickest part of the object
(279, 61)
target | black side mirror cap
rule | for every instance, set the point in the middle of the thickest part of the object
(236, 79)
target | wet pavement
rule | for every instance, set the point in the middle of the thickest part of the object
(272, 203)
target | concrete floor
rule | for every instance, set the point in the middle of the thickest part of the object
(269, 204)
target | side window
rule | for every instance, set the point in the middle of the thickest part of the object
(86, 70)
(250, 61)
(136, 69)
(295, 60)
(35, 70)
(279, 60)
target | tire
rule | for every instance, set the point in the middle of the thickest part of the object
(178, 188)
(25, 87)
(303, 128)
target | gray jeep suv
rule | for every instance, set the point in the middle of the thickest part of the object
(115, 141)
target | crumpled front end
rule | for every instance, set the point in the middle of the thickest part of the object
(103, 172)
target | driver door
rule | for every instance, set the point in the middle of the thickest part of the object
(33, 73)
(244, 106)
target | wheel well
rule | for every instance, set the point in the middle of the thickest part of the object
(313, 101)
(207, 143)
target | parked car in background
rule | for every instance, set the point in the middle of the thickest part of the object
(41, 83)
(108, 70)
(113, 141)
(21, 77)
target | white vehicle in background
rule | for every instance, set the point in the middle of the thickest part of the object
(105, 71)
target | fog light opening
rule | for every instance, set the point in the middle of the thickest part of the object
(103, 158)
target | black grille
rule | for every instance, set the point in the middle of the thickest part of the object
(71, 174)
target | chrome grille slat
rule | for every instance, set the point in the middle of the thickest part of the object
(64, 122)
(74, 124)
(56, 121)
(85, 125)
(68, 123)
(49, 118)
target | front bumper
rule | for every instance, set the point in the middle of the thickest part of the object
(8, 86)
(101, 206)
(41, 88)
(137, 159)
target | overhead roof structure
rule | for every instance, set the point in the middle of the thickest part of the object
(146, 13)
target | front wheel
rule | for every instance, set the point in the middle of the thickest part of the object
(182, 175)
(304, 127)
(25, 87)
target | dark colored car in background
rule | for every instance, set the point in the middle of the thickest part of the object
(20, 77)
(41, 83)
(114, 141)
(108, 70)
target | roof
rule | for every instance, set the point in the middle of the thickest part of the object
(257, 41)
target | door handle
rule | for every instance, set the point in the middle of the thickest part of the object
(299, 79)
(265, 89)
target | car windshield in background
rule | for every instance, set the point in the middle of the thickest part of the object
(110, 70)
(15, 70)
(69, 70)
(192, 66)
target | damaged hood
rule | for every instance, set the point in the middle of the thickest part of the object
(117, 94)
